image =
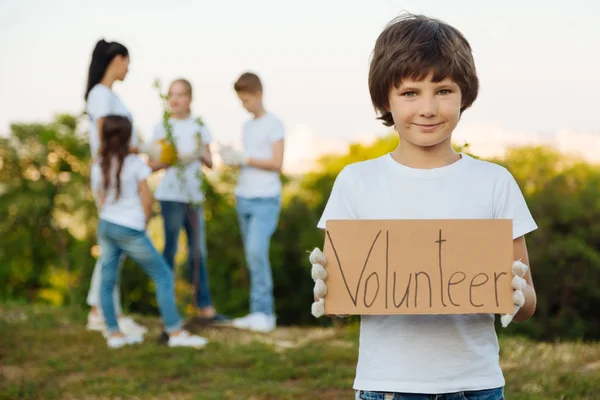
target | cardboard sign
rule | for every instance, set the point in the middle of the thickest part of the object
(419, 266)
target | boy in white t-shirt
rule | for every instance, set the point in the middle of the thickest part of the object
(258, 198)
(422, 77)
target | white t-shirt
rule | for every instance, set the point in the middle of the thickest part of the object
(428, 353)
(184, 188)
(127, 210)
(258, 137)
(102, 101)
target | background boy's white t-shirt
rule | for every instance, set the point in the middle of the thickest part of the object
(258, 137)
(182, 187)
(102, 101)
(428, 353)
(127, 210)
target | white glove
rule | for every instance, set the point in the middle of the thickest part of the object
(233, 157)
(319, 275)
(518, 284)
(188, 158)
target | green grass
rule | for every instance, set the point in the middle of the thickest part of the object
(45, 353)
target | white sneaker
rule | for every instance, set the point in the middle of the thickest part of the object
(184, 339)
(115, 342)
(256, 322)
(95, 322)
(128, 326)
(242, 322)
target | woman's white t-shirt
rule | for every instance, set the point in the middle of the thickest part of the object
(176, 185)
(127, 210)
(102, 101)
(428, 353)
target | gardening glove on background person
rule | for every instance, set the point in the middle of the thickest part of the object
(187, 158)
(233, 157)
(162, 151)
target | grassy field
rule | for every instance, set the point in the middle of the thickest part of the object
(45, 353)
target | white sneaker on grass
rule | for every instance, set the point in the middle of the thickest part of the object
(185, 339)
(115, 342)
(128, 326)
(242, 322)
(95, 322)
(256, 322)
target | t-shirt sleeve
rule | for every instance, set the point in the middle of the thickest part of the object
(143, 171)
(510, 204)
(99, 103)
(158, 132)
(341, 203)
(205, 134)
(277, 131)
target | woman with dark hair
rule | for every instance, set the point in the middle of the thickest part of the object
(125, 203)
(110, 63)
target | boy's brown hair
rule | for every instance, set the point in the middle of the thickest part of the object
(248, 82)
(412, 46)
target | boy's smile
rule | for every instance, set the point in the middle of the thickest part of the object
(427, 128)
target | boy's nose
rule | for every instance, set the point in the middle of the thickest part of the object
(428, 108)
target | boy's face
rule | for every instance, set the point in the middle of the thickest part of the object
(425, 113)
(252, 102)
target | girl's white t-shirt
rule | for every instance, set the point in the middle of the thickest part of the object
(178, 185)
(127, 210)
(102, 101)
(428, 353)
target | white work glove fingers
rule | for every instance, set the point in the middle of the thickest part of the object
(319, 275)
(519, 269)
(188, 158)
(227, 158)
(519, 283)
(518, 298)
(318, 272)
(317, 257)
(320, 289)
(224, 147)
(318, 308)
(507, 318)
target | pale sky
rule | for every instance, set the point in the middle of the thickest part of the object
(537, 61)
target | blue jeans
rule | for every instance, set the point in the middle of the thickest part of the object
(175, 216)
(258, 219)
(488, 394)
(116, 240)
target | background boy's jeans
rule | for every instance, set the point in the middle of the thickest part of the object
(116, 240)
(488, 394)
(175, 216)
(258, 219)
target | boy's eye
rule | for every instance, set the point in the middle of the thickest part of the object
(409, 94)
(445, 91)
